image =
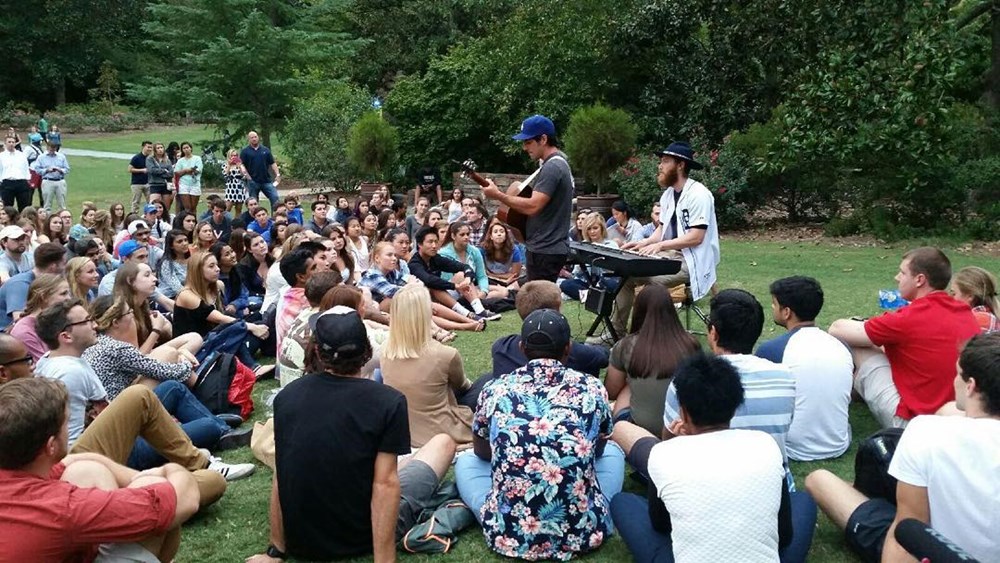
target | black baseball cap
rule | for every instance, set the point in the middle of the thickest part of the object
(545, 330)
(340, 330)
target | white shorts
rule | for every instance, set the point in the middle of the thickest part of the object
(125, 553)
(874, 384)
(189, 190)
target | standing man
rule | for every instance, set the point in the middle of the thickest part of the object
(140, 178)
(52, 167)
(688, 231)
(257, 164)
(14, 174)
(551, 202)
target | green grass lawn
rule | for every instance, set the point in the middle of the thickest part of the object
(851, 275)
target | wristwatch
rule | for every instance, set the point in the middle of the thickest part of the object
(274, 552)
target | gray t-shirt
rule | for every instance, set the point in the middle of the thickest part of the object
(13, 267)
(81, 383)
(547, 230)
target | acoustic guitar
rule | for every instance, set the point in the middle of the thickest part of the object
(513, 218)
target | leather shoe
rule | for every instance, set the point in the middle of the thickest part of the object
(233, 439)
(233, 420)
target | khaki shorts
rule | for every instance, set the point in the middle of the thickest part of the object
(125, 553)
(874, 384)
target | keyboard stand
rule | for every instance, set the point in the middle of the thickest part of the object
(603, 306)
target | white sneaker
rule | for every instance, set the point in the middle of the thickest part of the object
(602, 339)
(230, 471)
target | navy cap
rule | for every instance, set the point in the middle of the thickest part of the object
(545, 330)
(682, 151)
(534, 126)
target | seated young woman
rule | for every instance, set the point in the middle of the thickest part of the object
(443, 317)
(357, 245)
(172, 269)
(978, 288)
(83, 278)
(46, 291)
(253, 269)
(136, 284)
(235, 296)
(642, 363)
(198, 309)
(458, 248)
(204, 237)
(340, 259)
(439, 397)
(502, 256)
(594, 231)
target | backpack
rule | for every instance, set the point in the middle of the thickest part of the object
(871, 464)
(223, 387)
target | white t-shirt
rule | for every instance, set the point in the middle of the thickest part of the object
(723, 492)
(81, 383)
(958, 460)
(695, 207)
(274, 282)
(823, 371)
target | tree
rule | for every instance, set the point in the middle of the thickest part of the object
(372, 145)
(243, 62)
(973, 14)
(599, 139)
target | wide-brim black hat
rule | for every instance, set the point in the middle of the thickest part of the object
(682, 151)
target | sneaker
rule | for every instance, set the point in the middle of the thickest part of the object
(231, 471)
(235, 438)
(603, 339)
(488, 315)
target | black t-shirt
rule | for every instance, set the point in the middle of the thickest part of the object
(427, 178)
(139, 178)
(327, 432)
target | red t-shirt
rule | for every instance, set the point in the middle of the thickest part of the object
(51, 520)
(922, 341)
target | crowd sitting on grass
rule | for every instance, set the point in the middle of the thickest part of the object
(115, 321)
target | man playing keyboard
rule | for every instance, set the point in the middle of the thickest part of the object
(688, 230)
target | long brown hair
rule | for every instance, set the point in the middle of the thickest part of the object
(127, 273)
(495, 252)
(41, 290)
(660, 340)
(196, 282)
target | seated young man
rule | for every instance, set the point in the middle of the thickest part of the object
(822, 368)
(291, 358)
(59, 507)
(716, 493)
(543, 294)
(946, 467)
(427, 266)
(542, 474)
(354, 429)
(911, 374)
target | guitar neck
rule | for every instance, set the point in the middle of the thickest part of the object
(477, 178)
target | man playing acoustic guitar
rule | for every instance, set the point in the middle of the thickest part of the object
(549, 204)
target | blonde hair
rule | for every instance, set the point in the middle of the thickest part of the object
(592, 219)
(73, 269)
(410, 328)
(980, 285)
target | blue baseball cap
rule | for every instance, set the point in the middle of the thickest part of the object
(127, 248)
(534, 126)
(150, 208)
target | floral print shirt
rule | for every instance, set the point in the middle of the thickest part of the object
(543, 422)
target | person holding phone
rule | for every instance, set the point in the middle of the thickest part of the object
(188, 170)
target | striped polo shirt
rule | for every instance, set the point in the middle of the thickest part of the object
(769, 398)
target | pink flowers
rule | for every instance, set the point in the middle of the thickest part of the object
(583, 447)
(552, 474)
(530, 525)
(539, 427)
(535, 465)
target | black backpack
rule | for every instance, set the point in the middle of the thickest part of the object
(871, 464)
(215, 376)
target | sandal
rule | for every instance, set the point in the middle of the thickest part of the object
(264, 372)
(448, 337)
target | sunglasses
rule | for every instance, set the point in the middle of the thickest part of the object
(27, 359)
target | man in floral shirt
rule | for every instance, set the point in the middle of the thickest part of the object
(542, 475)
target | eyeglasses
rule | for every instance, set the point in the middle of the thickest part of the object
(87, 320)
(27, 359)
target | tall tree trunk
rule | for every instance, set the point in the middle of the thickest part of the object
(61, 92)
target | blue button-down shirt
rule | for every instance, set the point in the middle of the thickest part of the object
(49, 160)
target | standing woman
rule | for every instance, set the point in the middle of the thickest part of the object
(46, 291)
(642, 364)
(172, 269)
(341, 261)
(439, 396)
(455, 205)
(188, 170)
(161, 176)
(357, 245)
(118, 217)
(503, 258)
(204, 237)
(253, 269)
(83, 278)
(198, 309)
(236, 188)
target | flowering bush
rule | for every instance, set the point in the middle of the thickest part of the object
(635, 181)
(725, 175)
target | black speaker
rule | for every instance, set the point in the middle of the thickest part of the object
(599, 301)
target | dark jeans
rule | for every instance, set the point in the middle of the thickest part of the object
(572, 286)
(202, 427)
(470, 397)
(254, 189)
(15, 190)
(631, 515)
(545, 266)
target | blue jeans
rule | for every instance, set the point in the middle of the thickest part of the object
(201, 426)
(254, 189)
(631, 515)
(474, 476)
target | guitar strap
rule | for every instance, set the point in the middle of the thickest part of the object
(527, 181)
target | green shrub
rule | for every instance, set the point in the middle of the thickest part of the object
(980, 181)
(635, 181)
(598, 140)
(371, 146)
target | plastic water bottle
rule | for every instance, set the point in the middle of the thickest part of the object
(891, 299)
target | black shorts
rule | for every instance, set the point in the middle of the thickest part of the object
(160, 189)
(867, 528)
(544, 266)
(417, 485)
